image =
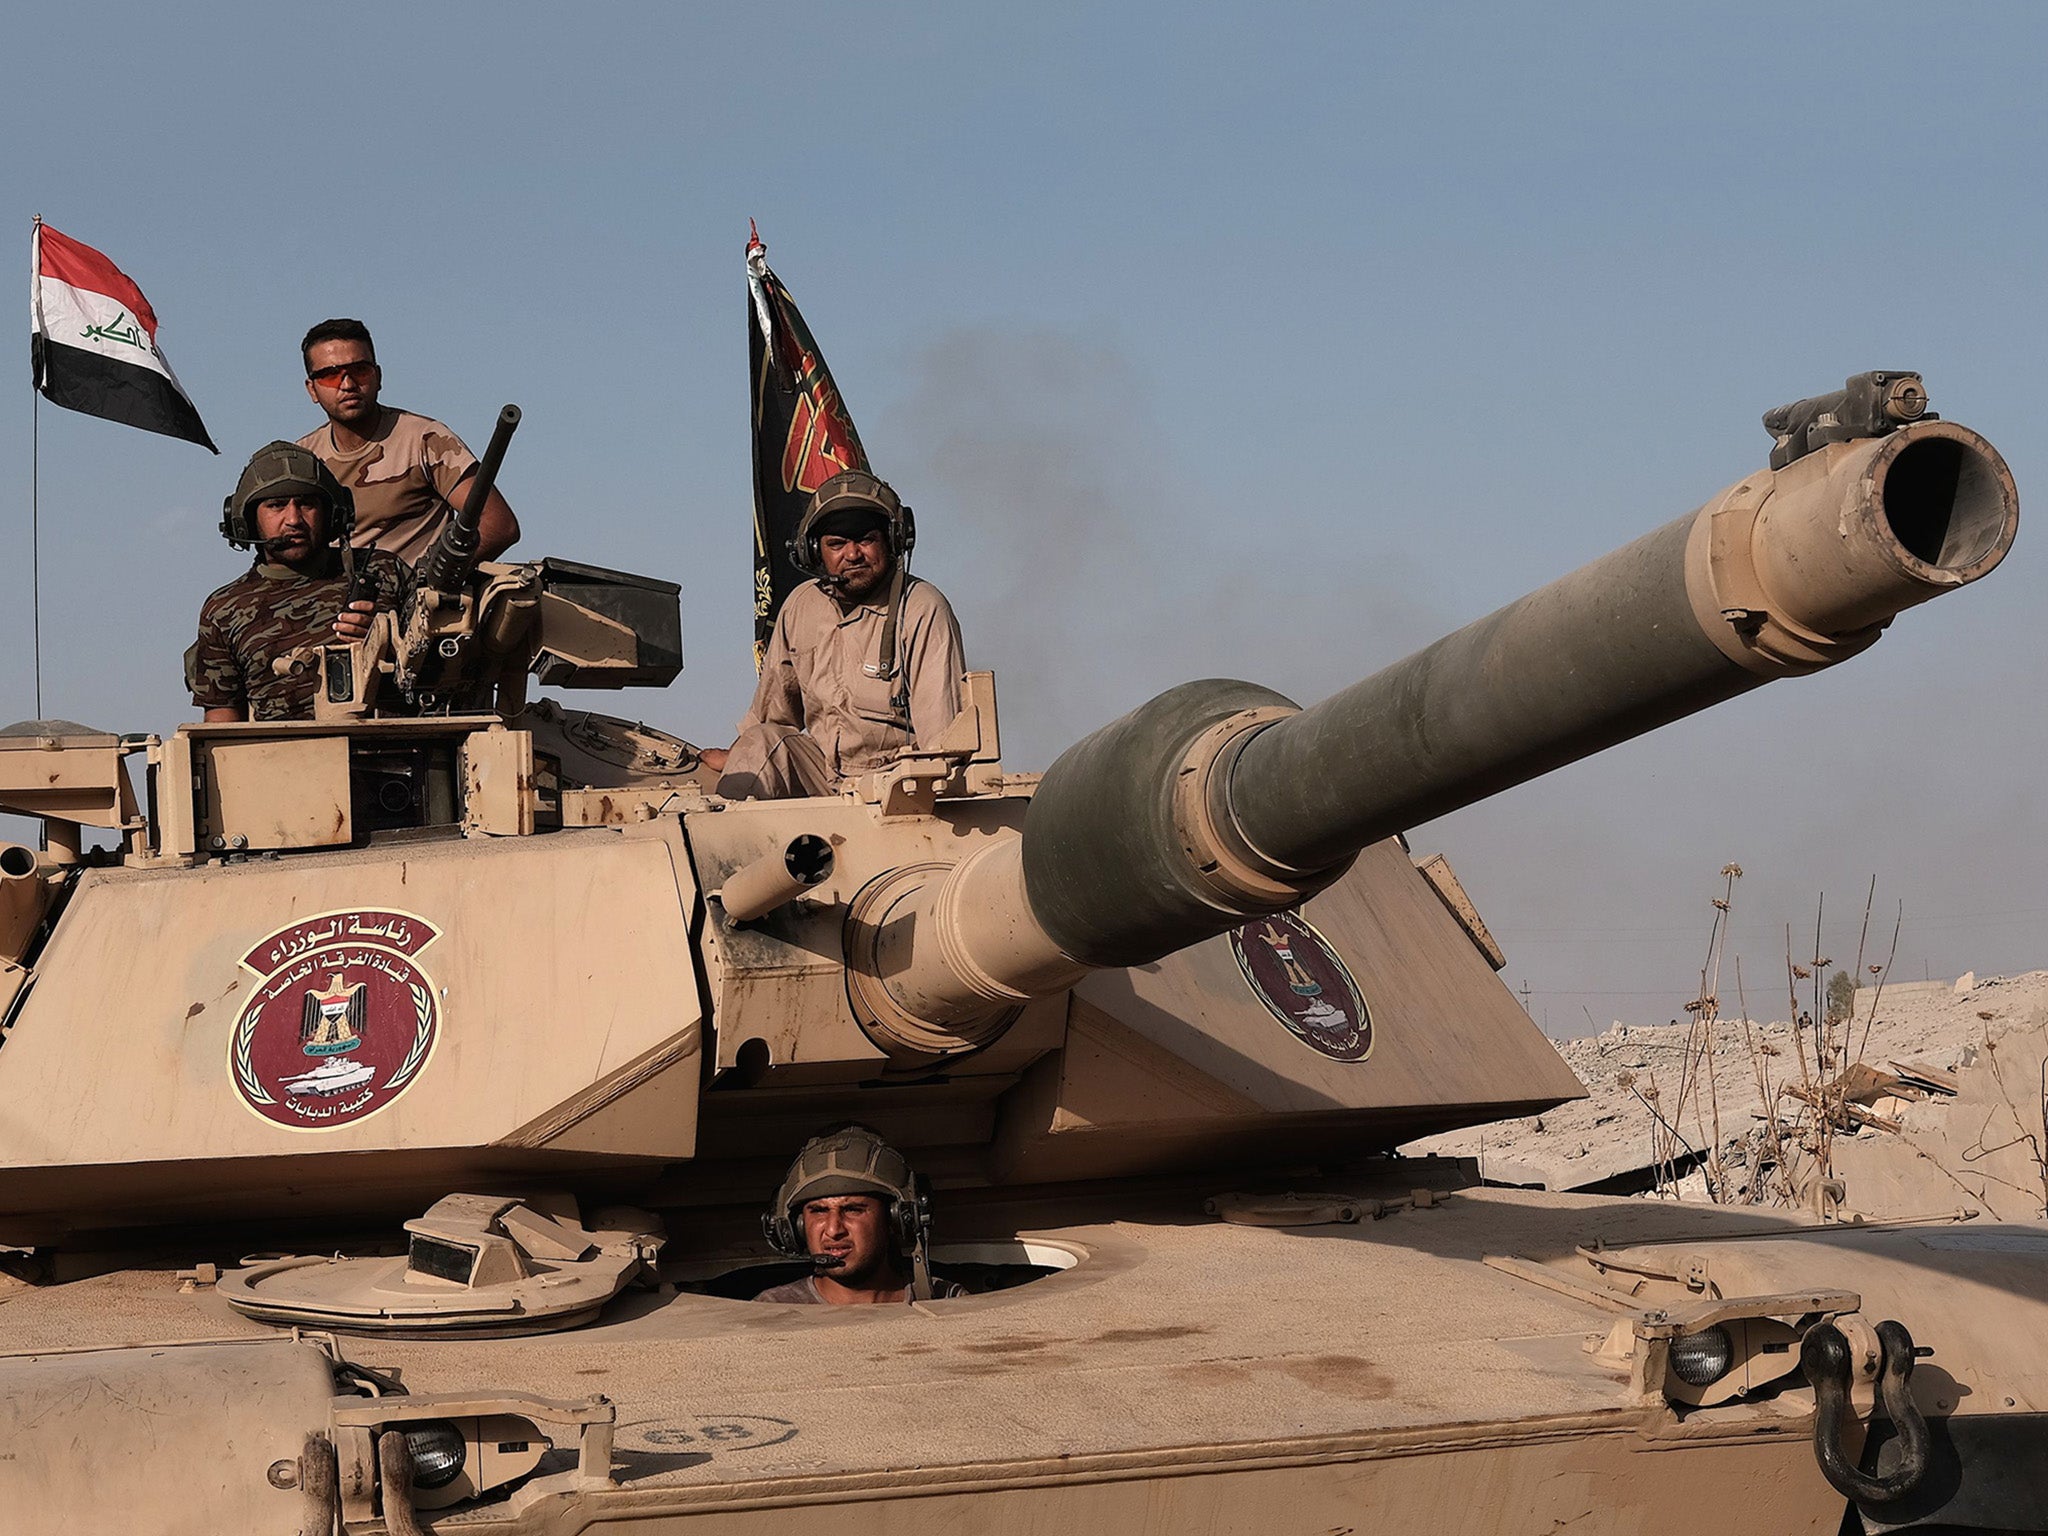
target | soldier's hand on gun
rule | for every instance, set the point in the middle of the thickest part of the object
(353, 622)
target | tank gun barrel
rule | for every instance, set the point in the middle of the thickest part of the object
(1769, 580)
(1221, 801)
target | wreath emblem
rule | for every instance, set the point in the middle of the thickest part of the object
(343, 1018)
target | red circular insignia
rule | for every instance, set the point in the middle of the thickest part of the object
(1293, 970)
(342, 1021)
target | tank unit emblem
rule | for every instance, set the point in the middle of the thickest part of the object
(1292, 969)
(343, 1019)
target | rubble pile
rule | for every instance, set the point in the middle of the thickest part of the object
(1931, 1097)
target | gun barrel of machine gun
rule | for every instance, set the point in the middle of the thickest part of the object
(1222, 801)
(454, 555)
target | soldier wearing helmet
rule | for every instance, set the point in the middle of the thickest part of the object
(865, 660)
(851, 1205)
(255, 655)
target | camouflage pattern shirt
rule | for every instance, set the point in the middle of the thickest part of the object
(403, 480)
(267, 612)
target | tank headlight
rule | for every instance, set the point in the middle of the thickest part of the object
(438, 1451)
(1700, 1359)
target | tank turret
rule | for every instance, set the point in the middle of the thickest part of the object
(545, 950)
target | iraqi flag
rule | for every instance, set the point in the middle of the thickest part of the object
(803, 435)
(93, 342)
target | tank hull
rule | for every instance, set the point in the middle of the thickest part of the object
(1189, 1372)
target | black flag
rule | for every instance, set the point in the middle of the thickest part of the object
(803, 435)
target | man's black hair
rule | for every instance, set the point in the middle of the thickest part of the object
(335, 330)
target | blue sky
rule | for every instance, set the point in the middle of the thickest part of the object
(1252, 341)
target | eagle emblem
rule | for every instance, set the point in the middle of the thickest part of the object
(332, 1021)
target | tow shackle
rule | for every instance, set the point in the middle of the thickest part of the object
(1824, 1356)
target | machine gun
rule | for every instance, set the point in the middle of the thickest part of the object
(449, 563)
(440, 620)
(466, 633)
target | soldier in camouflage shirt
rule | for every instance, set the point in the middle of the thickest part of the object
(258, 635)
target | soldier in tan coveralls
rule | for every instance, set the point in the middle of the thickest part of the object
(254, 658)
(406, 472)
(865, 661)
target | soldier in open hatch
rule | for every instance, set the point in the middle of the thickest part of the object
(255, 657)
(407, 472)
(865, 660)
(851, 1205)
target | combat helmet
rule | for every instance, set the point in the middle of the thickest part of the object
(285, 469)
(851, 491)
(850, 1161)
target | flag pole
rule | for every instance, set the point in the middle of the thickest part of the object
(35, 566)
(35, 490)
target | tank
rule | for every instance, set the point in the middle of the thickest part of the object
(387, 1119)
